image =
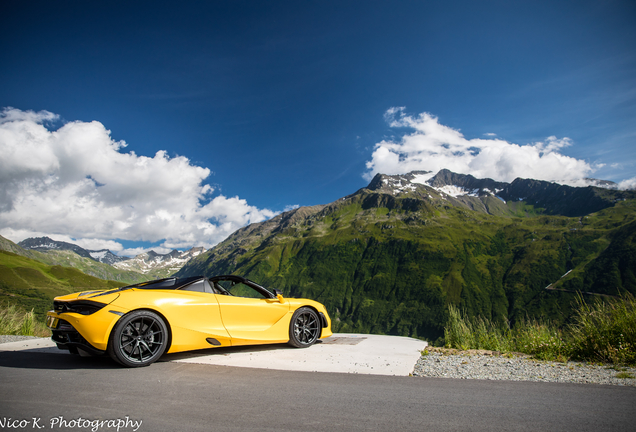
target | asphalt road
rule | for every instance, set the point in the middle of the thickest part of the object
(168, 396)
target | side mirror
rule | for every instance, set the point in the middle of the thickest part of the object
(279, 295)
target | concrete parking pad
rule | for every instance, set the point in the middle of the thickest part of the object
(342, 352)
(40, 345)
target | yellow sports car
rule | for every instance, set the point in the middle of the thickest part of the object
(137, 324)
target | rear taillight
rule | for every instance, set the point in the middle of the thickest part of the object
(83, 307)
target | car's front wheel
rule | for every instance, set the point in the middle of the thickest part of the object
(138, 339)
(304, 328)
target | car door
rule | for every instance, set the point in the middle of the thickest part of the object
(195, 317)
(249, 315)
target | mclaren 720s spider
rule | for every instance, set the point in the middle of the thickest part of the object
(136, 324)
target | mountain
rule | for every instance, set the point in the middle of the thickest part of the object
(392, 256)
(67, 257)
(45, 244)
(158, 266)
(137, 269)
(30, 278)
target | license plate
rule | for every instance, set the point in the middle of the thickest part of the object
(51, 322)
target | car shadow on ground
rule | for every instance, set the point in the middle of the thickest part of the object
(32, 359)
(227, 351)
(36, 359)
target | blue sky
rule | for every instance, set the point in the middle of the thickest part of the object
(286, 102)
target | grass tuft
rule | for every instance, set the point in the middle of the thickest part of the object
(478, 333)
(14, 321)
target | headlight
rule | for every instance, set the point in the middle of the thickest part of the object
(84, 307)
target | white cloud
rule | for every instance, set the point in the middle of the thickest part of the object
(433, 146)
(11, 114)
(628, 184)
(78, 182)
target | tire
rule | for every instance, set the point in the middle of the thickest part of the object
(304, 328)
(138, 339)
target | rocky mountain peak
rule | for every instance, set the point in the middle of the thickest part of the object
(159, 265)
(471, 192)
(466, 181)
(383, 182)
(45, 244)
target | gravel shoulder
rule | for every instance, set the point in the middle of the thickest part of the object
(492, 365)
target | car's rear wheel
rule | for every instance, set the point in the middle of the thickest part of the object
(304, 328)
(138, 339)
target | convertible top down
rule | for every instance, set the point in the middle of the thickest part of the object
(137, 324)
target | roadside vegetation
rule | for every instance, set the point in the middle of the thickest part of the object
(15, 321)
(600, 331)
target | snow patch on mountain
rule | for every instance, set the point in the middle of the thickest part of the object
(98, 255)
(48, 246)
(423, 178)
(452, 190)
(399, 184)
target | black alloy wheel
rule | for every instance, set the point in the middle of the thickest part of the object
(304, 328)
(138, 339)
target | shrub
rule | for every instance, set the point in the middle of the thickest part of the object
(605, 330)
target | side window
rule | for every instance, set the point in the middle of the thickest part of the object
(197, 286)
(239, 289)
(200, 286)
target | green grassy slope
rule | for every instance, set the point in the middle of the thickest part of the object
(31, 284)
(9, 246)
(67, 258)
(387, 264)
